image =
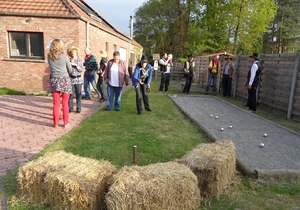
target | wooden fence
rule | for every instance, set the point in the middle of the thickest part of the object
(279, 87)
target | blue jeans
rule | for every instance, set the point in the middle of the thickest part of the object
(113, 93)
(88, 78)
(213, 77)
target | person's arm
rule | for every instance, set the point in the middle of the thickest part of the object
(150, 75)
(210, 64)
(68, 65)
(135, 75)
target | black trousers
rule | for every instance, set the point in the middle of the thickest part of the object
(226, 82)
(141, 94)
(252, 98)
(101, 86)
(188, 84)
(164, 82)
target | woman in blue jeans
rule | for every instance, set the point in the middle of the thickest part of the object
(116, 74)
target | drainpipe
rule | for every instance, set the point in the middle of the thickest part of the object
(87, 33)
(131, 26)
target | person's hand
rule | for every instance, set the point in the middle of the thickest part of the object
(249, 87)
(141, 82)
(92, 73)
(74, 65)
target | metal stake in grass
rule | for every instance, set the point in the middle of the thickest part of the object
(134, 154)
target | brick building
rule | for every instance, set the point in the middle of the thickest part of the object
(27, 26)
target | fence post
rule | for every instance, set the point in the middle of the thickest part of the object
(236, 76)
(294, 80)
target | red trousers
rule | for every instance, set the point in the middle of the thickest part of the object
(65, 107)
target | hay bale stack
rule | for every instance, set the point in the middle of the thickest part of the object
(214, 165)
(158, 186)
(65, 181)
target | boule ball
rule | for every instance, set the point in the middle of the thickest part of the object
(261, 145)
(211, 115)
(216, 117)
(230, 126)
(265, 134)
(221, 129)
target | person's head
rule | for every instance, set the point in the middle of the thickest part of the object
(254, 57)
(87, 51)
(191, 56)
(164, 55)
(56, 49)
(217, 57)
(73, 52)
(103, 53)
(116, 56)
(228, 59)
(144, 61)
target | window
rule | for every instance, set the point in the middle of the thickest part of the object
(26, 45)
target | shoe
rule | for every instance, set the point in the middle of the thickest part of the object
(245, 105)
(214, 94)
(87, 98)
(55, 126)
(107, 109)
(148, 109)
(139, 113)
(205, 93)
(251, 111)
(70, 110)
(67, 125)
(117, 110)
(78, 111)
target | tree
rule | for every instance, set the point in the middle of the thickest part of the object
(284, 32)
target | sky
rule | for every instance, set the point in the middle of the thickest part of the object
(116, 11)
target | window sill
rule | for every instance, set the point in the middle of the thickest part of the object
(25, 60)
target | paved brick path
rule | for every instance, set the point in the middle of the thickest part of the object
(26, 127)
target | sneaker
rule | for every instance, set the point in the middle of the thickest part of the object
(149, 110)
(205, 93)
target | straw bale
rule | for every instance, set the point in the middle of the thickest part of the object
(66, 181)
(214, 165)
(158, 186)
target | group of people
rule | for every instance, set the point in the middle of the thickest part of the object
(66, 80)
(229, 70)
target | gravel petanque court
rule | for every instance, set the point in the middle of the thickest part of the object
(280, 153)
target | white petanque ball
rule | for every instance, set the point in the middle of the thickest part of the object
(261, 145)
(216, 117)
(230, 126)
(211, 115)
(265, 135)
(221, 129)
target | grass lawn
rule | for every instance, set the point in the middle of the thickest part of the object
(160, 136)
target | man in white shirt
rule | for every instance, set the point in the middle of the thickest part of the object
(165, 69)
(252, 81)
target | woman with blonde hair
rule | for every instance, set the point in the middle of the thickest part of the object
(60, 83)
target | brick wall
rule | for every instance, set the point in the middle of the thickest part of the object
(33, 76)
